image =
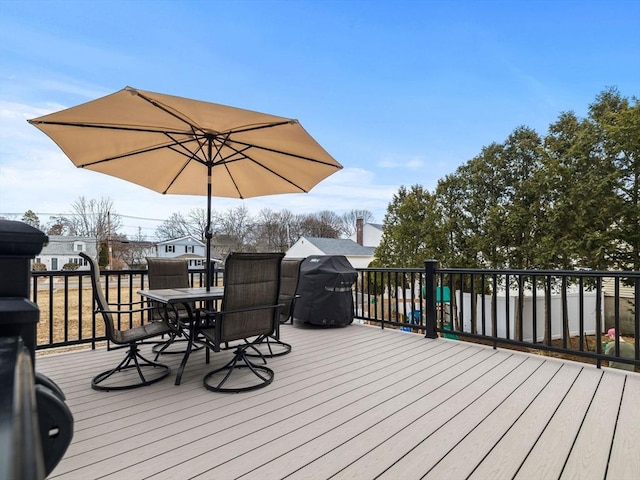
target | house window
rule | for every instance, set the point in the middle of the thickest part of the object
(79, 247)
(170, 248)
(188, 249)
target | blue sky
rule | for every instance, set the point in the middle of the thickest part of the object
(400, 92)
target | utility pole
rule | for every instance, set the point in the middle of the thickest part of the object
(109, 239)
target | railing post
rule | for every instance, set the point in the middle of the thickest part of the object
(19, 243)
(430, 267)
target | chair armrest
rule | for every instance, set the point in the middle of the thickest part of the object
(248, 309)
(129, 304)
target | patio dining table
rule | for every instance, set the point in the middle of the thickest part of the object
(186, 297)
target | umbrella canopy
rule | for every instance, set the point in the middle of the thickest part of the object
(176, 145)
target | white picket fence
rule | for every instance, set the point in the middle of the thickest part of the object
(504, 316)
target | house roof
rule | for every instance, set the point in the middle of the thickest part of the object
(340, 246)
(379, 226)
(187, 239)
(63, 245)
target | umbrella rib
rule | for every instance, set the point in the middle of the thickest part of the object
(183, 118)
(194, 156)
(226, 161)
(171, 146)
(282, 152)
(109, 127)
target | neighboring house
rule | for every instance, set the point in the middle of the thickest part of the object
(367, 234)
(185, 247)
(358, 256)
(63, 249)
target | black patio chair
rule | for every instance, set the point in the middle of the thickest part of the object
(271, 345)
(171, 273)
(148, 372)
(289, 277)
(249, 309)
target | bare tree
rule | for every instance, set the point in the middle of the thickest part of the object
(348, 227)
(237, 225)
(197, 223)
(131, 251)
(272, 230)
(325, 224)
(194, 224)
(176, 226)
(91, 218)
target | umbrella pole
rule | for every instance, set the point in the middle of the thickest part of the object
(208, 234)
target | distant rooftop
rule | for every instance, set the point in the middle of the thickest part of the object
(340, 246)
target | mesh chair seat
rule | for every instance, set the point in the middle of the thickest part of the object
(134, 370)
(171, 273)
(250, 309)
(270, 345)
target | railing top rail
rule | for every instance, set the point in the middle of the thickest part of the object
(392, 269)
(503, 271)
(571, 273)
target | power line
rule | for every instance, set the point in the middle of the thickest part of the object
(85, 214)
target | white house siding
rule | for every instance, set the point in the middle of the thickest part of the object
(63, 249)
(302, 249)
(371, 235)
(181, 247)
(609, 288)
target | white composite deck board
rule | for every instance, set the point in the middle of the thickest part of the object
(355, 402)
(505, 458)
(433, 441)
(459, 461)
(550, 452)
(397, 404)
(419, 420)
(217, 412)
(590, 453)
(625, 459)
(297, 421)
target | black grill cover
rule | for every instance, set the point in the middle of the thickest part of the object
(324, 289)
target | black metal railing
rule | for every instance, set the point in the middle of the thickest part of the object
(21, 453)
(65, 299)
(564, 312)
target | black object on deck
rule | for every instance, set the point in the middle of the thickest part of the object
(325, 290)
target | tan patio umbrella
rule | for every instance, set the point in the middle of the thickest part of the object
(176, 145)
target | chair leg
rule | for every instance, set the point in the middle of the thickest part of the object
(268, 342)
(133, 359)
(238, 362)
(173, 340)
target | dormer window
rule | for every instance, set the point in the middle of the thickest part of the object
(79, 247)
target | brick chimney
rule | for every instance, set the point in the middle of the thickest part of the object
(359, 231)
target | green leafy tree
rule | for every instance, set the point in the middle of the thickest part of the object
(31, 218)
(103, 255)
(411, 229)
(617, 128)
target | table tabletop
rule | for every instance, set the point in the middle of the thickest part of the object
(182, 295)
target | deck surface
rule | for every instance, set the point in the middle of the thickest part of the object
(358, 403)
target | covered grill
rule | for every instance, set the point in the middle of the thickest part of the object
(325, 291)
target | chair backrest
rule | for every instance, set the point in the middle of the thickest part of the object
(99, 298)
(167, 273)
(289, 276)
(251, 280)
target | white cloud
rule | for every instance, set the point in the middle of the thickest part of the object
(412, 163)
